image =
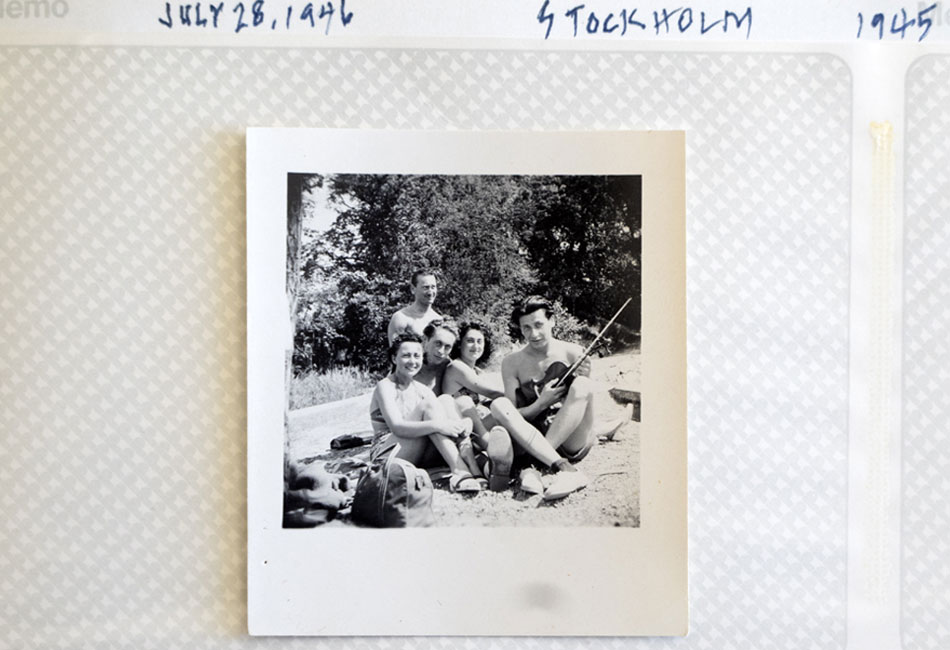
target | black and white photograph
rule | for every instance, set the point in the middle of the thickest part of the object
(466, 366)
(465, 350)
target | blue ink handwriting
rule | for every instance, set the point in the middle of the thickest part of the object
(255, 15)
(583, 20)
(900, 23)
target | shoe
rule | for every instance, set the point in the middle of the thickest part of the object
(464, 484)
(564, 483)
(531, 481)
(500, 456)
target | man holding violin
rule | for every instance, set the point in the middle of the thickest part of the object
(550, 416)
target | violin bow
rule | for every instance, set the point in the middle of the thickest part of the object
(590, 348)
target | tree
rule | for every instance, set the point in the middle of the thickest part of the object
(492, 239)
(586, 244)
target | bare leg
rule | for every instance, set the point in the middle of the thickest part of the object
(573, 424)
(411, 449)
(447, 448)
(464, 407)
(450, 453)
(453, 407)
(523, 432)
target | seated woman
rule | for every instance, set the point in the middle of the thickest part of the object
(464, 376)
(465, 383)
(407, 416)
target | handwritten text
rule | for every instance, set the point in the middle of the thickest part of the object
(581, 20)
(255, 15)
(901, 24)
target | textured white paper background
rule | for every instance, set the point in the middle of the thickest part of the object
(926, 450)
(122, 311)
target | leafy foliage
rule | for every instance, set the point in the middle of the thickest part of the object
(491, 239)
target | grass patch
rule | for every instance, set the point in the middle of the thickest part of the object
(329, 386)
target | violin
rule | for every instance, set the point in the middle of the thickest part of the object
(557, 370)
(560, 371)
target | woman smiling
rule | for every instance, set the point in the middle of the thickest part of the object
(407, 416)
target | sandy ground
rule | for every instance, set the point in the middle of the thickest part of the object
(612, 497)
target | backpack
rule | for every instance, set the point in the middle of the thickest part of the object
(393, 493)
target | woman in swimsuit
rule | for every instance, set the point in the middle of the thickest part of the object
(463, 376)
(407, 416)
(468, 387)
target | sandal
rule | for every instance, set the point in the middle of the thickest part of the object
(464, 484)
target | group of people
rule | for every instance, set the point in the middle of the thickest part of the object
(436, 406)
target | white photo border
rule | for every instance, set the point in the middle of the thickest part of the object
(471, 581)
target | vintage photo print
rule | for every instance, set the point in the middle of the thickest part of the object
(484, 329)
(460, 339)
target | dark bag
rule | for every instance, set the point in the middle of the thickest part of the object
(393, 493)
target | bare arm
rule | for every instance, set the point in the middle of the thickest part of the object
(386, 399)
(459, 373)
(396, 325)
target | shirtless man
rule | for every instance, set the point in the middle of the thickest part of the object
(553, 425)
(415, 316)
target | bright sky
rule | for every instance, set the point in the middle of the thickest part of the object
(322, 216)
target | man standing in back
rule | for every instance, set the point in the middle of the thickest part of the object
(415, 316)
